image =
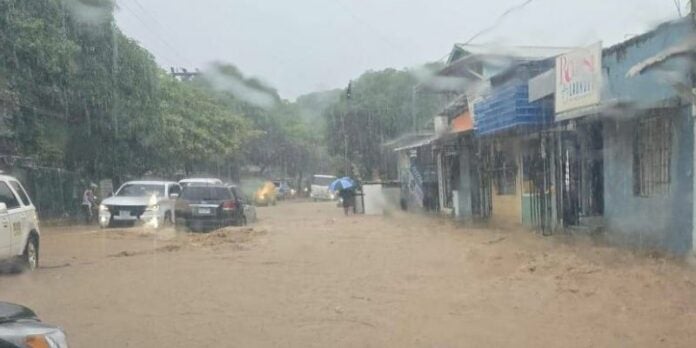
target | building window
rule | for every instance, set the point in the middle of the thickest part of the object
(652, 156)
(505, 174)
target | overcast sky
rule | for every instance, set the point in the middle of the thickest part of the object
(301, 46)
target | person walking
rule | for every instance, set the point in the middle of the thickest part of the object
(347, 197)
(89, 201)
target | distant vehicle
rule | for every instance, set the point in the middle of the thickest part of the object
(19, 226)
(20, 327)
(147, 202)
(195, 181)
(206, 207)
(249, 208)
(283, 188)
(319, 189)
(266, 195)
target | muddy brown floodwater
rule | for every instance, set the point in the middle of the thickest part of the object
(306, 276)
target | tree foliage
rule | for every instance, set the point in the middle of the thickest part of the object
(77, 93)
(378, 106)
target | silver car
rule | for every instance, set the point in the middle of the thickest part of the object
(20, 327)
(249, 208)
(151, 203)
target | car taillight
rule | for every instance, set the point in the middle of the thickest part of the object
(229, 205)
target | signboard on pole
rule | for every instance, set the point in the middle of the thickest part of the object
(579, 78)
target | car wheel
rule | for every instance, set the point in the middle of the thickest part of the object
(30, 257)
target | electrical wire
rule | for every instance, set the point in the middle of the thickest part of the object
(374, 29)
(154, 34)
(499, 20)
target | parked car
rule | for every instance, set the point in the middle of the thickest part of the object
(206, 207)
(319, 189)
(147, 202)
(283, 189)
(249, 209)
(19, 226)
(204, 181)
(266, 195)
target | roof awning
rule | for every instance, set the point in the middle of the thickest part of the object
(417, 143)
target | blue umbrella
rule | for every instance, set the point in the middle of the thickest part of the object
(342, 184)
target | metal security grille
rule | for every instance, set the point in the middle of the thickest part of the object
(538, 183)
(652, 156)
(505, 173)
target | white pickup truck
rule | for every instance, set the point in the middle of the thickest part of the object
(19, 226)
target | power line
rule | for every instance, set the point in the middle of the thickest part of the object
(499, 20)
(154, 33)
(369, 25)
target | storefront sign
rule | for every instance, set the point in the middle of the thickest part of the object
(579, 78)
(542, 85)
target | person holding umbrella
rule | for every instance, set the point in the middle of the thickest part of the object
(345, 187)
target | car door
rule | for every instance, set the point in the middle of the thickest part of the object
(10, 223)
(5, 231)
(22, 218)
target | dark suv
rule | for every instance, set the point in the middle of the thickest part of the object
(207, 207)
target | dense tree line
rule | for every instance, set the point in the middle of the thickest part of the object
(76, 93)
(377, 107)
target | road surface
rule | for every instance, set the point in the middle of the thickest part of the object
(306, 276)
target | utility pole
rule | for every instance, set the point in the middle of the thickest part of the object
(349, 97)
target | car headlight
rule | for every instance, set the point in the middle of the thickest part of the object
(154, 207)
(55, 339)
(103, 208)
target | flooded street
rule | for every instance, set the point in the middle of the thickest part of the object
(306, 276)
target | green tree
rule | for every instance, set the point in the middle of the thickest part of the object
(378, 106)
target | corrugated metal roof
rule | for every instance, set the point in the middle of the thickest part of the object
(528, 52)
(417, 143)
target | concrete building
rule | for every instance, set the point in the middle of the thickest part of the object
(647, 140)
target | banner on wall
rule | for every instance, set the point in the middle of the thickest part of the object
(579, 78)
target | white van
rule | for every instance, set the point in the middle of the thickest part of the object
(19, 225)
(320, 188)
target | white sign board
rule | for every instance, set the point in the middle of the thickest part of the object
(579, 78)
(542, 85)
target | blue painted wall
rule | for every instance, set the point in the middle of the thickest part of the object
(665, 221)
(654, 86)
(662, 222)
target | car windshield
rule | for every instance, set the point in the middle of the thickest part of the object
(141, 190)
(518, 173)
(206, 193)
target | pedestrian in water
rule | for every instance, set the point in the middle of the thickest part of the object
(347, 198)
(89, 202)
